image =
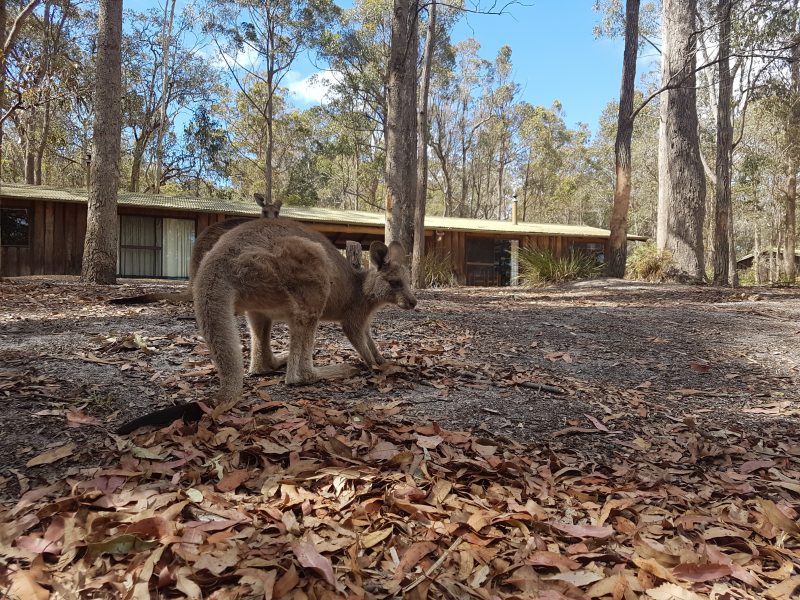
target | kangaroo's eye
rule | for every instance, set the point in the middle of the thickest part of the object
(396, 285)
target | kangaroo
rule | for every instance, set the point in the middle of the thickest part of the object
(280, 270)
(204, 242)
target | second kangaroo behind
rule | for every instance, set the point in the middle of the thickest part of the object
(280, 270)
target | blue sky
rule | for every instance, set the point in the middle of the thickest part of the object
(555, 55)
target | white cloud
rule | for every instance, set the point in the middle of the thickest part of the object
(313, 89)
(247, 58)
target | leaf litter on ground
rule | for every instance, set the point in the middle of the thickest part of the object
(308, 498)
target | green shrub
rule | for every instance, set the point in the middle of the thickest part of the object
(438, 269)
(647, 263)
(747, 277)
(538, 268)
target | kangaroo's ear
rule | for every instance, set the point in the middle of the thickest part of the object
(397, 253)
(278, 205)
(259, 199)
(377, 254)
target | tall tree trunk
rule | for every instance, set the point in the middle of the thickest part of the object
(30, 144)
(401, 126)
(618, 243)
(136, 164)
(166, 32)
(417, 271)
(793, 162)
(37, 167)
(757, 256)
(7, 38)
(723, 216)
(100, 245)
(682, 184)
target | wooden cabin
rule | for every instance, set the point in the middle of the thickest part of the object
(42, 231)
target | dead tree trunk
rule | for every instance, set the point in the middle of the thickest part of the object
(417, 271)
(622, 147)
(100, 244)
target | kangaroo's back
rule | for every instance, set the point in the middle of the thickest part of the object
(266, 233)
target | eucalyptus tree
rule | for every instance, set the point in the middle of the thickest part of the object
(682, 184)
(401, 123)
(100, 245)
(163, 76)
(258, 42)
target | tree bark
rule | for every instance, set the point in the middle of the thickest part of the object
(793, 161)
(401, 125)
(37, 167)
(169, 16)
(8, 40)
(100, 244)
(417, 271)
(722, 206)
(682, 185)
(618, 253)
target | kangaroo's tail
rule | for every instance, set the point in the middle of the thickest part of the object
(171, 297)
(188, 412)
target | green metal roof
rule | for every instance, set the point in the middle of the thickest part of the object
(299, 213)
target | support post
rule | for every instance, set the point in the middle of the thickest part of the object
(353, 252)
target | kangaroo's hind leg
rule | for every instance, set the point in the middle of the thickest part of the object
(300, 365)
(213, 307)
(262, 360)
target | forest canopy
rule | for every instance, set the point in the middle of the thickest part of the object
(207, 97)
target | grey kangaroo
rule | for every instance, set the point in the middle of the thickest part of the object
(280, 270)
(204, 242)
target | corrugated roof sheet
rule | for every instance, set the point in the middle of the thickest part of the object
(300, 213)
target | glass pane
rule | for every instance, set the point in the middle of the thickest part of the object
(178, 239)
(140, 246)
(14, 227)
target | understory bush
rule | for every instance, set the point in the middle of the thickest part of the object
(438, 269)
(648, 263)
(538, 268)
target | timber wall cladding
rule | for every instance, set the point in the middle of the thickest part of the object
(55, 240)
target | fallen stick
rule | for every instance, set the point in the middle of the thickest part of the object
(433, 567)
(542, 387)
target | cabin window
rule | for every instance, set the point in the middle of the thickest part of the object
(15, 227)
(595, 250)
(155, 247)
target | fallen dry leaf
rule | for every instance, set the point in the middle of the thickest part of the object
(52, 455)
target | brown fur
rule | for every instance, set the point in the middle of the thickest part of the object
(204, 242)
(280, 270)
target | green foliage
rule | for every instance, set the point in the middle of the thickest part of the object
(647, 263)
(539, 268)
(438, 269)
(747, 277)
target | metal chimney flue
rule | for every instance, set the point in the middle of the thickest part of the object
(514, 210)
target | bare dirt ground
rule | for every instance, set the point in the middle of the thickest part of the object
(630, 354)
(656, 376)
